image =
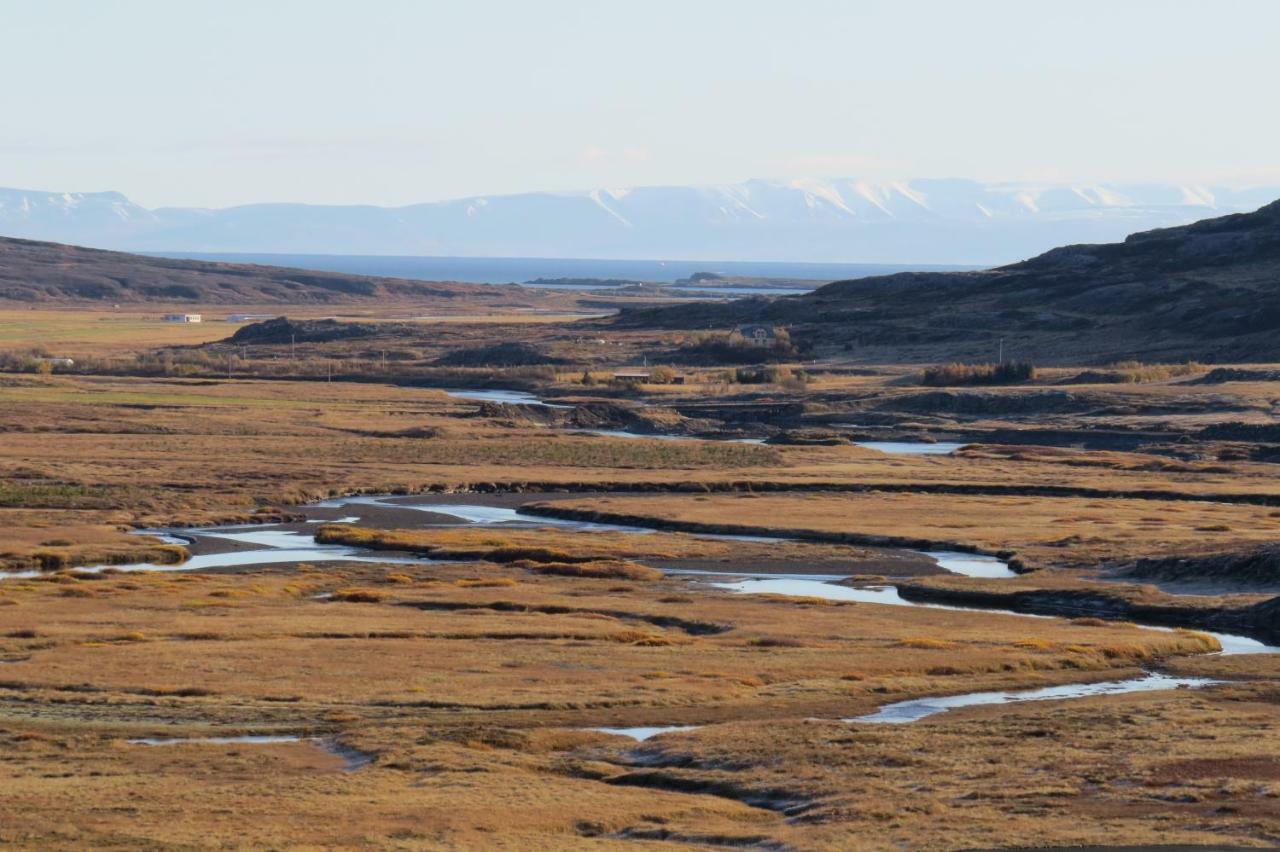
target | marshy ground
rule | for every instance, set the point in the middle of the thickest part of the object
(444, 688)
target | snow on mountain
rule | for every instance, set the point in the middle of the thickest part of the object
(909, 221)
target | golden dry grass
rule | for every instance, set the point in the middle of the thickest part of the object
(471, 683)
(448, 680)
(1041, 532)
(107, 452)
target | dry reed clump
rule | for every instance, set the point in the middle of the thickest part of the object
(1209, 643)
(1134, 372)
(358, 595)
(484, 582)
(365, 537)
(64, 558)
(799, 600)
(603, 569)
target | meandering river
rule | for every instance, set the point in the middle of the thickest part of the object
(272, 544)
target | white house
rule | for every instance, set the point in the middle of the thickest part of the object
(757, 335)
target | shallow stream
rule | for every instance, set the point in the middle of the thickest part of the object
(281, 546)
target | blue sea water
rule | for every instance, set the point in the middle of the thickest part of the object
(503, 270)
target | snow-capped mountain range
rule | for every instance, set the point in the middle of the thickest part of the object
(908, 221)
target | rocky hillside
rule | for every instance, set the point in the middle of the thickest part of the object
(51, 273)
(1208, 291)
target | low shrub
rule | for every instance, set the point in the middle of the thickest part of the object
(948, 375)
(775, 642)
(1136, 372)
(720, 348)
(506, 354)
(358, 596)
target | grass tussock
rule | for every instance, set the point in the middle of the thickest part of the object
(927, 643)
(597, 570)
(358, 595)
(484, 582)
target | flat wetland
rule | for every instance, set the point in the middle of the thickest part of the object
(397, 617)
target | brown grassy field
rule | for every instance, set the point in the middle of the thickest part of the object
(1055, 532)
(464, 692)
(106, 452)
(470, 684)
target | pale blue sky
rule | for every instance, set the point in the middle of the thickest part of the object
(181, 102)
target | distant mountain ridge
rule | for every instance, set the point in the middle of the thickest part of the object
(850, 220)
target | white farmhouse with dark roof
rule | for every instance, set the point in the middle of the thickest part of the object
(757, 335)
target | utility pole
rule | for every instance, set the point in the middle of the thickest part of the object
(293, 347)
(329, 364)
(1002, 350)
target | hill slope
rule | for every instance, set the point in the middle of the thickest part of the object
(911, 222)
(50, 272)
(1208, 291)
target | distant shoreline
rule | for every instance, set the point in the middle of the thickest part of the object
(516, 270)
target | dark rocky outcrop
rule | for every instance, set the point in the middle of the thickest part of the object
(283, 330)
(1209, 291)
